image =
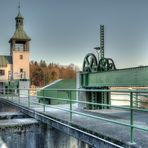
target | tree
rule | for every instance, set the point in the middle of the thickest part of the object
(41, 74)
(37, 77)
(43, 63)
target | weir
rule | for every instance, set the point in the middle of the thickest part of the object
(19, 130)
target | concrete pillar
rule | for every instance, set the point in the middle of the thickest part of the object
(23, 88)
(78, 86)
(81, 95)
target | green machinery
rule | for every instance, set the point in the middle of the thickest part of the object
(101, 73)
(92, 64)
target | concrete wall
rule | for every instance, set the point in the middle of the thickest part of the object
(52, 134)
(22, 137)
(23, 88)
(57, 139)
(34, 135)
(37, 136)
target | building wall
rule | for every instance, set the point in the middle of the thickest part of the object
(7, 70)
(19, 63)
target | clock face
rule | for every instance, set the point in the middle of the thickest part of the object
(19, 46)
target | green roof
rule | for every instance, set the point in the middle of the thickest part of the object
(20, 34)
(4, 60)
(48, 92)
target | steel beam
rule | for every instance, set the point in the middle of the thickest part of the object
(137, 76)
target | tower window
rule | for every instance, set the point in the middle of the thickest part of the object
(19, 46)
(21, 57)
(21, 70)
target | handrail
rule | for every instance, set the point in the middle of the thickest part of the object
(15, 95)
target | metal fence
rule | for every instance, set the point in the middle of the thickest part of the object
(130, 101)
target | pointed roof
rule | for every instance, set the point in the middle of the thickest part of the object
(19, 11)
(20, 34)
(19, 15)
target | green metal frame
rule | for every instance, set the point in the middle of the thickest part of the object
(137, 76)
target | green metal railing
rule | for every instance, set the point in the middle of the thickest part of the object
(133, 97)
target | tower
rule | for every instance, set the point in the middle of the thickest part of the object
(19, 50)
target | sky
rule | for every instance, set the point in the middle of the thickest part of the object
(64, 31)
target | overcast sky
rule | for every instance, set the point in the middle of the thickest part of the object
(64, 31)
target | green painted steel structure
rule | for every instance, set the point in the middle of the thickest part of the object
(100, 72)
(101, 63)
(130, 77)
(91, 65)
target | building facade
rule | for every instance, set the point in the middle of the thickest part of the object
(16, 65)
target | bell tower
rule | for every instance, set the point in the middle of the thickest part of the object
(19, 50)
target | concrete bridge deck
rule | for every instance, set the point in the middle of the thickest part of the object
(120, 135)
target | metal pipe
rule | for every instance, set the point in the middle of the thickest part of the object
(131, 119)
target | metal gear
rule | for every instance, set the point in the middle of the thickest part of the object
(90, 63)
(103, 64)
(111, 64)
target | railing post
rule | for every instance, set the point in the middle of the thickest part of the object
(7, 93)
(70, 101)
(12, 94)
(43, 96)
(3, 92)
(131, 119)
(28, 98)
(44, 107)
(44, 100)
(137, 99)
(18, 96)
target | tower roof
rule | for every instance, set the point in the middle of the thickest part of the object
(19, 33)
(19, 12)
(19, 15)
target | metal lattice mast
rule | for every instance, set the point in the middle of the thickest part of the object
(102, 40)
